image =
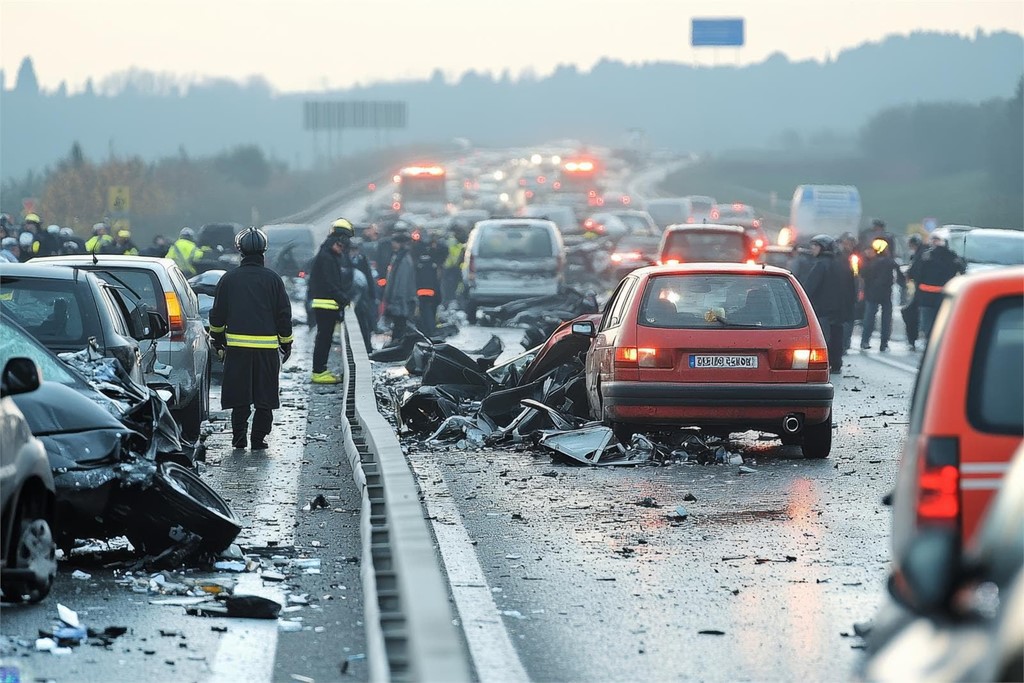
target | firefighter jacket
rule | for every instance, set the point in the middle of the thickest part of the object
(930, 273)
(251, 309)
(428, 278)
(99, 244)
(330, 280)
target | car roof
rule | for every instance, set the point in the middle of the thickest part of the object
(712, 268)
(515, 222)
(39, 271)
(994, 232)
(108, 260)
(711, 227)
(1011, 276)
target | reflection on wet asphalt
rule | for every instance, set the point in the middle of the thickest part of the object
(784, 560)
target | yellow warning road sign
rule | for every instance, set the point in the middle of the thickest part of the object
(119, 199)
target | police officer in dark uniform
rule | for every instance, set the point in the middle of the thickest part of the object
(330, 283)
(251, 323)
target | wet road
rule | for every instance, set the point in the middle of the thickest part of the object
(572, 580)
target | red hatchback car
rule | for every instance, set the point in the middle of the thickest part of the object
(725, 347)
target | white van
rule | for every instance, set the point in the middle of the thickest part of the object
(824, 209)
(508, 259)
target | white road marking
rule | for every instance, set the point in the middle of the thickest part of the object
(247, 651)
(494, 657)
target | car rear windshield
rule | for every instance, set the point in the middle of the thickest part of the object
(995, 397)
(703, 301)
(637, 224)
(695, 246)
(143, 284)
(515, 242)
(49, 310)
(701, 205)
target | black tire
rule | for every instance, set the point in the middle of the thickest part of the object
(33, 548)
(818, 439)
(190, 416)
(177, 497)
(790, 440)
(623, 432)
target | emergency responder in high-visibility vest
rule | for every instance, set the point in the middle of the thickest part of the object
(251, 324)
(101, 241)
(185, 253)
(452, 275)
(123, 244)
(330, 284)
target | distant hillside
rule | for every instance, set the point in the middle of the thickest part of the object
(680, 107)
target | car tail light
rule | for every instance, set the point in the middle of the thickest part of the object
(634, 357)
(557, 185)
(522, 182)
(626, 200)
(619, 257)
(715, 215)
(799, 359)
(672, 262)
(541, 179)
(759, 243)
(689, 219)
(372, 187)
(938, 481)
(397, 206)
(175, 320)
(757, 222)
(529, 193)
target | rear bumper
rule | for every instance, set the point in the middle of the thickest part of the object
(513, 292)
(748, 405)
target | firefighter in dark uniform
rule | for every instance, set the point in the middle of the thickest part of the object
(330, 283)
(251, 323)
(428, 255)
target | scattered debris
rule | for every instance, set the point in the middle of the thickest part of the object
(80, 575)
(711, 632)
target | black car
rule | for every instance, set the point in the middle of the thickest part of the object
(218, 241)
(69, 310)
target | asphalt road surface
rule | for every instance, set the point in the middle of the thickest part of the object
(570, 579)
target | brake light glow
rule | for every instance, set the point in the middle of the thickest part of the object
(689, 219)
(619, 257)
(626, 200)
(175, 320)
(643, 357)
(759, 243)
(579, 166)
(372, 187)
(799, 359)
(751, 262)
(592, 193)
(397, 206)
(422, 170)
(557, 185)
(938, 481)
(541, 179)
(785, 236)
(715, 214)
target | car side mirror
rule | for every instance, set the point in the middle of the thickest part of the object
(20, 376)
(931, 572)
(158, 326)
(584, 328)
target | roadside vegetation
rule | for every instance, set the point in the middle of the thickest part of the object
(956, 162)
(240, 185)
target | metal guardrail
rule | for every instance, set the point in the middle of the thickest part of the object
(319, 208)
(409, 620)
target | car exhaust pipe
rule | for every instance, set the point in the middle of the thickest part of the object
(792, 424)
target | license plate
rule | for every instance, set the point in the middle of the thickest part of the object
(726, 362)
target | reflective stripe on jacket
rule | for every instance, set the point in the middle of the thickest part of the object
(252, 341)
(326, 304)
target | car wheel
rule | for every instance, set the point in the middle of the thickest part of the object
(788, 440)
(178, 498)
(818, 439)
(34, 551)
(190, 416)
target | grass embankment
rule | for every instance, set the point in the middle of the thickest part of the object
(902, 197)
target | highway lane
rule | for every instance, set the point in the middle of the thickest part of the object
(588, 585)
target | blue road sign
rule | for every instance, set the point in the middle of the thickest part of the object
(716, 32)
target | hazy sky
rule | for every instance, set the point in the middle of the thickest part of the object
(312, 44)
